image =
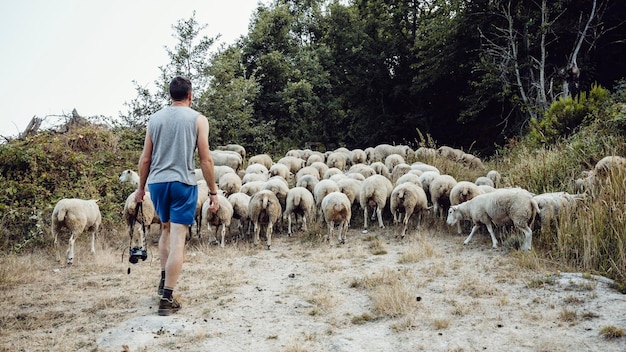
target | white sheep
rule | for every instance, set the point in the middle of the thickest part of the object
(222, 218)
(424, 167)
(382, 151)
(315, 158)
(494, 176)
(301, 203)
(321, 168)
(294, 164)
(471, 162)
(146, 217)
(254, 177)
(219, 171)
(426, 178)
(308, 182)
(392, 160)
(320, 191)
(461, 193)
(229, 183)
(552, 204)
(374, 192)
(426, 153)
(358, 156)
(263, 159)
(381, 169)
(227, 158)
(240, 201)
(234, 148)
(398, 171)
(250, 188)
(439, 189)
(130, 176)
(362, 169)
(331, 172)
(257, 169)
(484, 180)
(337, 209)
(308, 170)
(407, 198)
(500, 207)
(281, 170)
(264, 210)
(356, 176)
(450, 153)
(409, 177)
(339, 160)
(78, 216)
(350, 187)
(280, 187)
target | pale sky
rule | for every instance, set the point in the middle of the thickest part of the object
(65, 54)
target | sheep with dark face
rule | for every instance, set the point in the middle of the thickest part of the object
(408, 199)
(500, 207)
(264, 210)
(78, 216)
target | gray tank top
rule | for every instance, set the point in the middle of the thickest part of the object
(174, 139)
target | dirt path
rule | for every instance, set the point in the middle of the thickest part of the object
(375, 293)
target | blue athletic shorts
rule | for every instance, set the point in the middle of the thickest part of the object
(174, 201)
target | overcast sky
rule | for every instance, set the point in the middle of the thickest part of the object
(65, 54)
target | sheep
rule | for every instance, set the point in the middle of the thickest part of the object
(392, 160)
(609, 165)
(131, 177)
(425, 153)
(308, 182)
(363, 169)
(407, 198)
(356, 176)
(331, 172)
(239, 201)
(450, 153)
(461, 193)
(495, 177)
(234, 148)
(552, 204)
(227, 158)
(315, 158)
(350, 187)
(500, 207)
(223, 217)
(424, 167)
(426, 178)
(308, 170)
(374, 192)
(439, 189)
(398, 171)
(257, 169)
(338, 176)
(338, 160)
(321, 168)
(358, 156)
(264, 211)
(381, 169)
(320, 191)
(219, 171)
(78, 216)
(382, 151)
(486, 188)
(279, 187)
(370, 156)
(294, 164)
(301, 203)
(146, 217)
(263, 159)
(281, 170)
(337, 209)
(229, 183)
(254, 177)
(409, 177)
(250, 188)
(471, 162)
(484, 180)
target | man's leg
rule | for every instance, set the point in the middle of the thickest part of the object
(174, 259)
(164, 250)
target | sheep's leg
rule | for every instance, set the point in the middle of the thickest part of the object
(406, 224)
(223, 234)
(270, 228)
(343, 231)
(93, 242)
(257, 230)
(70, 250)
(528, 237)
(469, 238)
(494, 241)
(304, 228)
(56, 243)
(374, 213)
(331, 227)
(379, 214)
(289, 224)
(365, 217)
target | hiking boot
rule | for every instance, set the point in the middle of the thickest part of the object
(168, 306)
(160, 289)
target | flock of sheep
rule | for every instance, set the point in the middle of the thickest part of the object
(307, 186)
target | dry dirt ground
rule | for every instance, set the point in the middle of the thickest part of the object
(427, 292)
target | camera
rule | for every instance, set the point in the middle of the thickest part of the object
(137, 253)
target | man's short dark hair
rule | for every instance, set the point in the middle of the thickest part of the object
(180, 87)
